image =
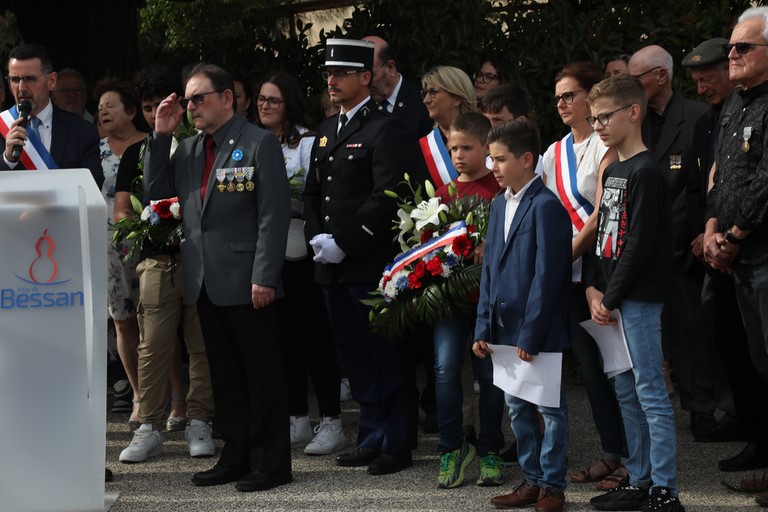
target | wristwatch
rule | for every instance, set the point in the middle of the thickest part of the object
(731, 238)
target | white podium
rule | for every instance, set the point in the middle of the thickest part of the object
(53, 284)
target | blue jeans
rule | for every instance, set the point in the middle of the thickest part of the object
(450, 340)
(490, 408)
(649, 421)
(541, 456)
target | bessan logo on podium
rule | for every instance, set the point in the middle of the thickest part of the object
(39, 290)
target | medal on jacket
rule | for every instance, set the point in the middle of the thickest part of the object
(230, 178)
(220, 175)
(240, 176)
(249, 186)
(746, 135)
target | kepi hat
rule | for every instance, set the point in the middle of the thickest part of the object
(348, 53)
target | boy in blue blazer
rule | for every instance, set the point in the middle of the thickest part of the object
(524, 302)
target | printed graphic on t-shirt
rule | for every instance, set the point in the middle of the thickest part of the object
(612, 219)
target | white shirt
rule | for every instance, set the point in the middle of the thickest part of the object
(393, 96)
(44, 130)
(353, 111)
(513, 201)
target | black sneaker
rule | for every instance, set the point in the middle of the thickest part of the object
(661, 500)
(624, 497)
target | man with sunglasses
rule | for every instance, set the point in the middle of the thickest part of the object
(356, 157)
(736, 235)
(668, 133)
(230, 181)
(60, 140)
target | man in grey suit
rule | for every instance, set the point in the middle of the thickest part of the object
(231, 184)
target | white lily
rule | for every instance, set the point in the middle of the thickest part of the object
(428, 212)
(406, 226)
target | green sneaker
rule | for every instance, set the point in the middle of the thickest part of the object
(490, 470)
(452, 466)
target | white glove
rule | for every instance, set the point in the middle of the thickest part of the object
(329, 251)
(315, 242)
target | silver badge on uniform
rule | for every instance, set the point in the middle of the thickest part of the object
(675, 162)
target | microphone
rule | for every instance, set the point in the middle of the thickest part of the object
(25, 107)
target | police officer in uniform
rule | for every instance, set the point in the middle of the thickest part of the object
(355, 158)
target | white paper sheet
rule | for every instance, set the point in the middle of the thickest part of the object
(537, 382)
(613, 345)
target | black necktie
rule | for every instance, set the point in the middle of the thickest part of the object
(342, 122)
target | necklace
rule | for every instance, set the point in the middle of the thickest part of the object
(584, 153)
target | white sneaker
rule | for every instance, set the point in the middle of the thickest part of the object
(301, 431)
(346, 392)
(329, 437)
(145, 444)
(200, 441)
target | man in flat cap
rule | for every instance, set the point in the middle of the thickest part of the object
(356, 157)
(724, 377)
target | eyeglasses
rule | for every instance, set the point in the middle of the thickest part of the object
(431, 92)
(485, 78)
(742, 48)
(604, 119)
(338, 74)
(272, 101)
(646, 72)
(567, 97)
(197, 99)
(28, 79)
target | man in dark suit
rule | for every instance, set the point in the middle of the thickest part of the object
(668, 130)
(65, 141)
(230, 180)
(356, 157)
(402, 99)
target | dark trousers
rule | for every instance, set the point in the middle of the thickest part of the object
(687, 343)
(306, 341)
(751, 291)
(602, 399)
(380, 374)
(247, 378)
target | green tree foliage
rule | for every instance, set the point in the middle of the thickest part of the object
(537, 39)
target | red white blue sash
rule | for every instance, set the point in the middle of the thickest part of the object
(34, 155)
(579, 209)
(419, 252)
(438, 158)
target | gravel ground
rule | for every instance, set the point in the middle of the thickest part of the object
(163, 483)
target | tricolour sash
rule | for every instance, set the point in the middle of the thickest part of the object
(438, 158)
(34, 156)
(419, 252)
(579, 209)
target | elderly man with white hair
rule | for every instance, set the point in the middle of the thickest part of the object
(736, 236)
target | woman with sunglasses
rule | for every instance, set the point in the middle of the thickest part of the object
(491, 74)
(573, 169)
(305, 332)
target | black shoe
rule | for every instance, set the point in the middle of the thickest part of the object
(706, 430)
(509, 456)
(218, 475)
(108, 476)
(387, 463)
(751, 457)
(624, 497)
(261, 481)
(430, 423)
(661, 500)
(359, 457)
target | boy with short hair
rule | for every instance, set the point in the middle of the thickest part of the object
(467, 142)
(524, 302)
(629, 272)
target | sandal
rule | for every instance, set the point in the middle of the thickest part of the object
(596, 472)
(614, 480)
(750, 485)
